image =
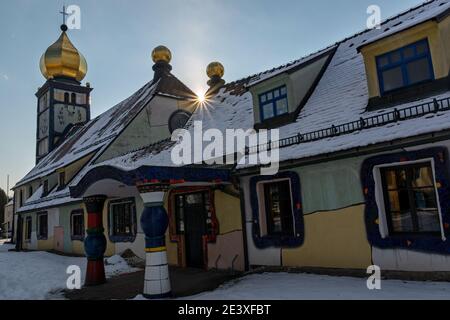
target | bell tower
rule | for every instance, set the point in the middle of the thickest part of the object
(63, 102)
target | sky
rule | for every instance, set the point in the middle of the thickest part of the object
(117, 37)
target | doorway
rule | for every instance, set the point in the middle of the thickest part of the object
(192, 217)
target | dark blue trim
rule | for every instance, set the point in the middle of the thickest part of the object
(422, 243)
(267, 241)
(403, 63)
(273, 101)
(130, 178)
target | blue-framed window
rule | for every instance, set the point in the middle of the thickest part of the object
(277, 211)
(404, 67)
(273, 103)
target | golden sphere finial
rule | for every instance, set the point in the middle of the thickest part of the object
(161, 54)
(215, 69)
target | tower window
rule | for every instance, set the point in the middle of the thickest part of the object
(66, 97)
(30, 191)
(273, 103)
(73, 98)
(405, 67)
(45, 188)
(62, 180)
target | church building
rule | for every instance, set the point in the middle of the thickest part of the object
(364, 137)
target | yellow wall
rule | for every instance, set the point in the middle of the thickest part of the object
(438, 38)
(43, 245)
(228, 212)
(78, 247)
(74, 168)
(444, 29)
(333, 239)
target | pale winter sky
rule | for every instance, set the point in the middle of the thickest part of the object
(117, 37)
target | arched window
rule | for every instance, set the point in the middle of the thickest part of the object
(66, 97)
(73, 98)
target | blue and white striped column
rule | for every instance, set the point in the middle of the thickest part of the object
(154, 222)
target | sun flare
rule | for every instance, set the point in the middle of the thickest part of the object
(201, 97)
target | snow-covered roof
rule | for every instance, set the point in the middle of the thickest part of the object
(411, 19)
(96, 135)
(340, 97)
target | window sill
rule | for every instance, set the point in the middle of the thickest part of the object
(42, 237)
(124, 238)
(276, 122)
(409, 94)
(416, 235)
(77, 238)
(278, 241)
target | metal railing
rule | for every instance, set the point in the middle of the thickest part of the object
(382, 119)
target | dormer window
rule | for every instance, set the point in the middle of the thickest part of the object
(62, 180)
(273, 103)
(45, 188)
(404, 67)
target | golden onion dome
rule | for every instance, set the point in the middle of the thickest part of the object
(161, 54)
(62, 59)
(215, 69)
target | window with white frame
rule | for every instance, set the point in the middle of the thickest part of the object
(410, 199)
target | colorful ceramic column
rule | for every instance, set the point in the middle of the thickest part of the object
(154, 222)
(95, 242)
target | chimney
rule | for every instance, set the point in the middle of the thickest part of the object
(215, 72)
(161, 56)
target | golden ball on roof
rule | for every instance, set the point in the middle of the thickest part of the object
(215, 69)
(161, 54)
(62, 59)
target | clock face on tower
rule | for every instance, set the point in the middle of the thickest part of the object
(66, 115)
(43, 125)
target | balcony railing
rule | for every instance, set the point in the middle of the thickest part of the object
(394, 116)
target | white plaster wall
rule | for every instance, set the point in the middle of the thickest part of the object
(406, 260)
(53, 221)
(266, 257)
(138, 246)
(32, 244)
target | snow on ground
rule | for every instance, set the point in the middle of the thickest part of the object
(289, 286)
(42, 275)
